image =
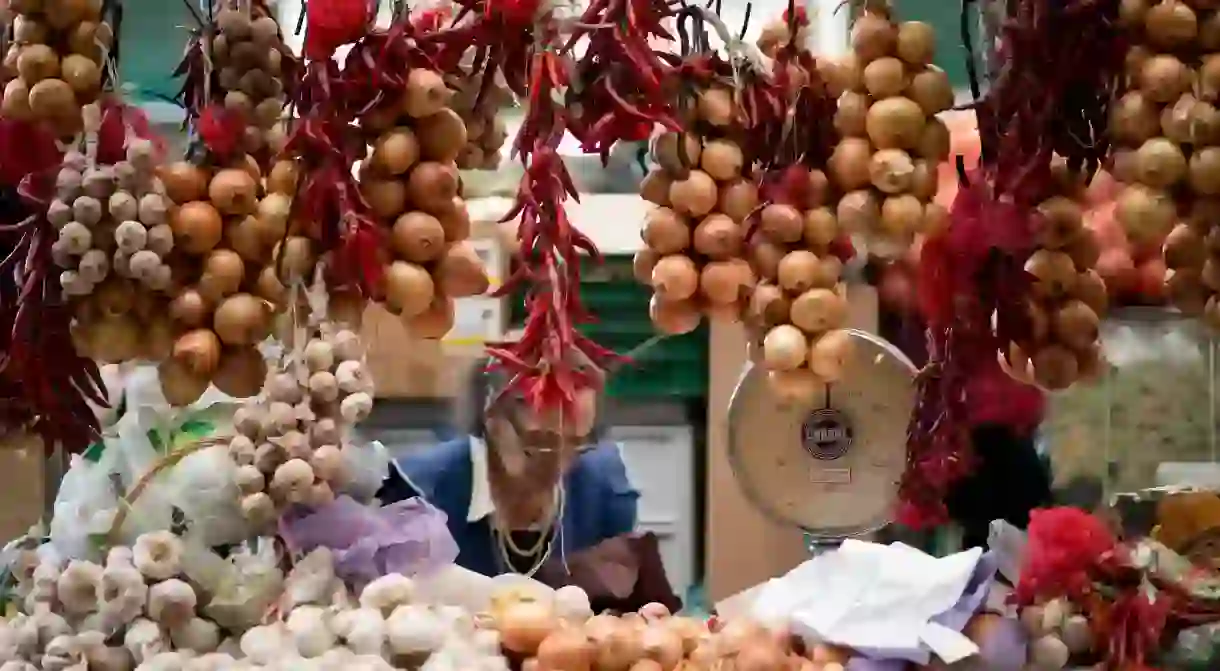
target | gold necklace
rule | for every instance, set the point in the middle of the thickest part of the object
(545, 542)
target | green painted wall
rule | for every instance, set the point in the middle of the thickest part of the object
(152, 38)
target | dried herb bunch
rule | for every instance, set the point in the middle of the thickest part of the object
(975, 271)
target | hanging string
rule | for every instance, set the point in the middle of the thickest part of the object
(1107, 426)
(1211, 396)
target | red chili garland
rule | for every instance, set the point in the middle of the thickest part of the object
(613, 92)
(1071, 54)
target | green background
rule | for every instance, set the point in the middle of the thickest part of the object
(154, 33)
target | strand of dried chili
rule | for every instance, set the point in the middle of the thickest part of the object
(974, 271)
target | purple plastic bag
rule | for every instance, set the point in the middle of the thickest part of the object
(408, 537)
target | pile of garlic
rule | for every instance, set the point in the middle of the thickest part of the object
(292, 438)
(139, 611)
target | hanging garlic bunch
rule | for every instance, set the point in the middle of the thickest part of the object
(113, 238)
(292, 446)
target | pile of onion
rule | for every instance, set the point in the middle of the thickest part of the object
(1166, 129)
(233, 255)
(292, 445)
(1068, 296)
(1059, 633)
(486, 132)
(114, 237)
(884, 168)
(55, 63)
(694, 239)
(558, 635)
(248, 54)
(411, 182)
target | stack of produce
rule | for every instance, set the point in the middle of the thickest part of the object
(974, 291)
(1058, 632)
(55, 64)
(1164, 126)
(694, 238)
(291, 440)
(885, 165)
(231, 250)
(114, 240)
(236, 61)
(248, 54)
(411, 183)
(1068, 296)
(485, 130)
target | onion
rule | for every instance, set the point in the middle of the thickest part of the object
(850, 114)
(665, 232)
(715, 106)
(782, 223)
(1076, 325)
(620, 648)
(891, 171)
(662, 645)
(241, 372)
(566, 649)
(694, 196)
(198, 351)
(848, 166)
(1160, 163)
(885, 77)
(179, 385)
(242, 319)
(1134, 118)
(665, 152)
(673, 317)
(873, 37)
(442, 135)
(654, 188)
(432, 186)
(1055, 367)
(675, 278)
(418, 237)
(784, 348)
(798, 270)
(738, 199)
(197, 227)
(722, 160)
(818, 310)
(460, 272)
(1169, 24)
(717, 237)
(931, 90)
(859, 211)
(524, 625)
(409, 289)
(1145, 214)
(725, 282)
(760, 655)
(1184, 248)
(233, 191)
(426, 93)
(895, 123)
(916, 43)
(1162, 78)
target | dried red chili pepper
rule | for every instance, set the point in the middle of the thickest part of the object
(56, 383)
(1071, 53)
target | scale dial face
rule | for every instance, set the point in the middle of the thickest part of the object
(831, 467)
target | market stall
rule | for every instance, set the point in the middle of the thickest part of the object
(190, 331)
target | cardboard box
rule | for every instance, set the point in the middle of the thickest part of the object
(22, 484)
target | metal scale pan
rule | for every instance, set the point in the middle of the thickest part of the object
(830, 468)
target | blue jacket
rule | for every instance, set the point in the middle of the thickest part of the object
(600, 501)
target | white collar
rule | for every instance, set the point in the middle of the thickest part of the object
(481, 503)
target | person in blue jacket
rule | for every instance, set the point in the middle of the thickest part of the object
(521, 489)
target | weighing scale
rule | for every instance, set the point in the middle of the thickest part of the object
(833, 466)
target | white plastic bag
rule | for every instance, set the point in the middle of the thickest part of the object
(367, 467)
(84, 508)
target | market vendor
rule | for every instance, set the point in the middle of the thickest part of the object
(522, 488)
